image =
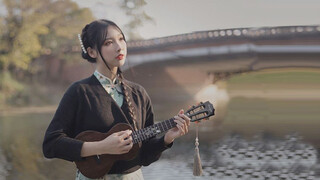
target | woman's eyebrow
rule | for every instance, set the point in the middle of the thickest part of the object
(118, 35)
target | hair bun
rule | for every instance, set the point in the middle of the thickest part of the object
(88, 58)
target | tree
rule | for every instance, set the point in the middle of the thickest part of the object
(34, 27)
(134, 10)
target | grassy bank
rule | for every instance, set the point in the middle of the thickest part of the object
(281, 102)
(18, 96)
(298, 78)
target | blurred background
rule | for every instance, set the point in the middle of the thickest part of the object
(257, 61)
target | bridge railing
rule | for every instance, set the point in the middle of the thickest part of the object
(220, 34)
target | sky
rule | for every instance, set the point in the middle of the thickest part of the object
(173, 17)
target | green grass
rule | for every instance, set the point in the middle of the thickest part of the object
(279, 117)
(258, 110)
(250, 116)
(278, 76)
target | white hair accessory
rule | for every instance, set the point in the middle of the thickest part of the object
(81, 44)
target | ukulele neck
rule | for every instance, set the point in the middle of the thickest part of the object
(155, 129)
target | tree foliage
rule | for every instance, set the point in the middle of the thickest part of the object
(33, 31)
(33, 28)
(134, 11)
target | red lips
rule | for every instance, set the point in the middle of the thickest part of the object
(120, 57)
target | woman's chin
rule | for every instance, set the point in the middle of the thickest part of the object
(121, 62)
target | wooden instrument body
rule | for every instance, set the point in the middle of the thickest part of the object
(98, 166)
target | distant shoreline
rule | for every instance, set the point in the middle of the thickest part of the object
(30, 109)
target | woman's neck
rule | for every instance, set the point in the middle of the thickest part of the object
(106, 72)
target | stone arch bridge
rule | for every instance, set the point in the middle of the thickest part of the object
(175, 68)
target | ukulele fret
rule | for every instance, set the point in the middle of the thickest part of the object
(155, 129)
(143, 134)
(167, 125)
(172, 123)
(134, 137)
(162, 127)
(158, 127)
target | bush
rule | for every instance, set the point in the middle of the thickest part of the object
(9, 88)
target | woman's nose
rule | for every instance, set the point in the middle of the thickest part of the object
(118, 46)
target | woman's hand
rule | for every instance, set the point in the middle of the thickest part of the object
(117, 143)
(183, 123)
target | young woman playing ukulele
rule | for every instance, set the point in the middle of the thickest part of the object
(103, 100)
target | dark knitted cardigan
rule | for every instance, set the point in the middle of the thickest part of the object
(87, 106)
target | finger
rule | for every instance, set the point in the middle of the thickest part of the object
(127, 141)
(125, 134)
(179, 118)
(185, 122)
(181, 130)
(183, 125)
(127, 148)
(185, 117)
(186, 128)
(180, 125)
(120, 133)
(181, 111)
(179, 122)
(188, 122)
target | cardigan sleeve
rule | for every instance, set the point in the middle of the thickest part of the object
(152, 149)
(57, 141)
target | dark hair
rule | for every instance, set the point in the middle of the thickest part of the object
(93, 35)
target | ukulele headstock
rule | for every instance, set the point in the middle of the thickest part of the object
(200, 111)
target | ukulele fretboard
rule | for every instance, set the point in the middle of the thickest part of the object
(148, 132)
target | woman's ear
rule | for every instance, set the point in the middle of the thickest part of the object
(92, 52)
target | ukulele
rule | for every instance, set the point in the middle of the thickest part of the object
(99, 165)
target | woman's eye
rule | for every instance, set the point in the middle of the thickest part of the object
(121, 39)
(107, 43)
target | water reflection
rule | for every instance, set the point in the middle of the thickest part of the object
(224, 156)
(3, 166)
(263, 158)
(21, 139)
(234, 157)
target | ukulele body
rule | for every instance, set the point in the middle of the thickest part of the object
(97, 166)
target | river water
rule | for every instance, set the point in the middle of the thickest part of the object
(249, 142)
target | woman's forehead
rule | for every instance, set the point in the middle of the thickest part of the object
(113, 32)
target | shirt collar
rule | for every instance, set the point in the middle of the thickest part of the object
(107, 83)
(105, 80)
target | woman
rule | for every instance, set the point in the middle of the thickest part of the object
(103, 100)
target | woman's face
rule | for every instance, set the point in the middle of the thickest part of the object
(114, 48)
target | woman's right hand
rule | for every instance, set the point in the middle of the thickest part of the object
(117, 143)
